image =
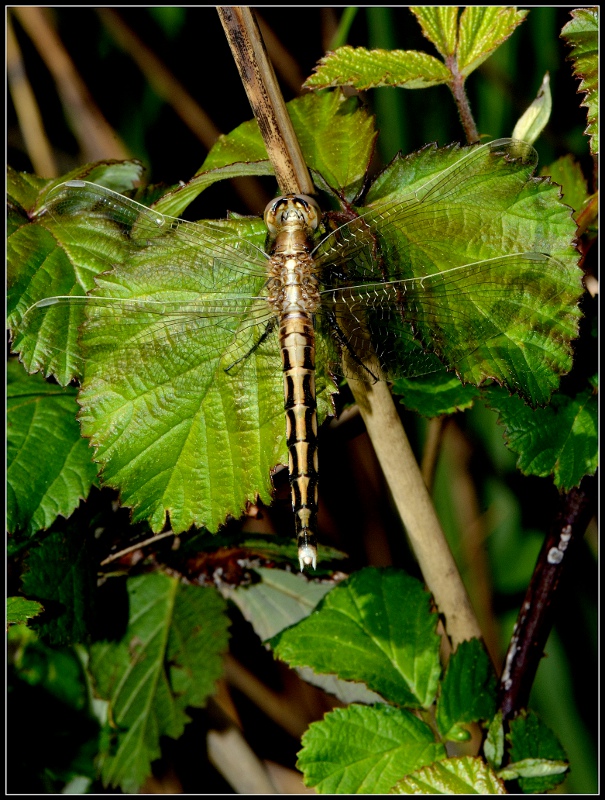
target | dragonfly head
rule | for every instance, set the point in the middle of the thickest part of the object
(291, 208)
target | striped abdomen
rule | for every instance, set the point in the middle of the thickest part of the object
(294, 295)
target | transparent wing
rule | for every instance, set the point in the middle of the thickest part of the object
(445, 273)
(415, 230)
(474, 318)
(169, 287)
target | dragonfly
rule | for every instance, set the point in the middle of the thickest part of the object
(375, 292)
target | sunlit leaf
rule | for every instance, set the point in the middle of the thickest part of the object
(366, 69)
(452, 776)
(440, 25)
(482, 29)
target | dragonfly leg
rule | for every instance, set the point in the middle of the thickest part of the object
(342, 339)
(269, 328)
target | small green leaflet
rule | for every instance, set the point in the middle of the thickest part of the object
(468, 690)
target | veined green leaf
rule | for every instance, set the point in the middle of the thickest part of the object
(468, 689)
(482, 29)
(335, 134)
(530, 739)
(169, 658)
(49, 465)
(366, 69)
(582, 34)
(440, 26)
(452, 776)
(358, 633)
(361, 750)
(560, 439)
(19, 610)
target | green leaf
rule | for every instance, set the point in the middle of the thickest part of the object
(62, 574)
(560, 439)
(498, 222)
(482, 29)
(582, 35)
(440, 26)
(360, 750)
(535, 118)
(452, 776)
(530, 738)
(183, 391)
(336, 136)
(533, 768)
(281, 599)
(435, 395)
(169, 658)
(19, 610)
(42, 261)
(468, 690)
(278, 600)
(366, 69)
(56, 670)
(567, 172)
(493, 747)
(49, 466)
(359, 633)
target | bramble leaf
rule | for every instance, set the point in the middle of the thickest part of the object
(19, 610)
(532, 744)
(468, 689)
(168, 659)
(358, 633)
(49, 465)
(560, 439)
(582, 35)
(365, 69)
(482, 29)
(361, 750)
(440, 26)
(452, 776)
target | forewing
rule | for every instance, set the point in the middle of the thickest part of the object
(445, 271)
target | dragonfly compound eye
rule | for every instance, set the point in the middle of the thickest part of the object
(291, 208)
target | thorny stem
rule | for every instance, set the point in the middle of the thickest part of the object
(535, 618)
(376, 402)
(456, 86)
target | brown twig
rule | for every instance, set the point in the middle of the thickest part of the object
(96, 137)
(536, 615)
(266, 100)
(456, 86)
(30, 120)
